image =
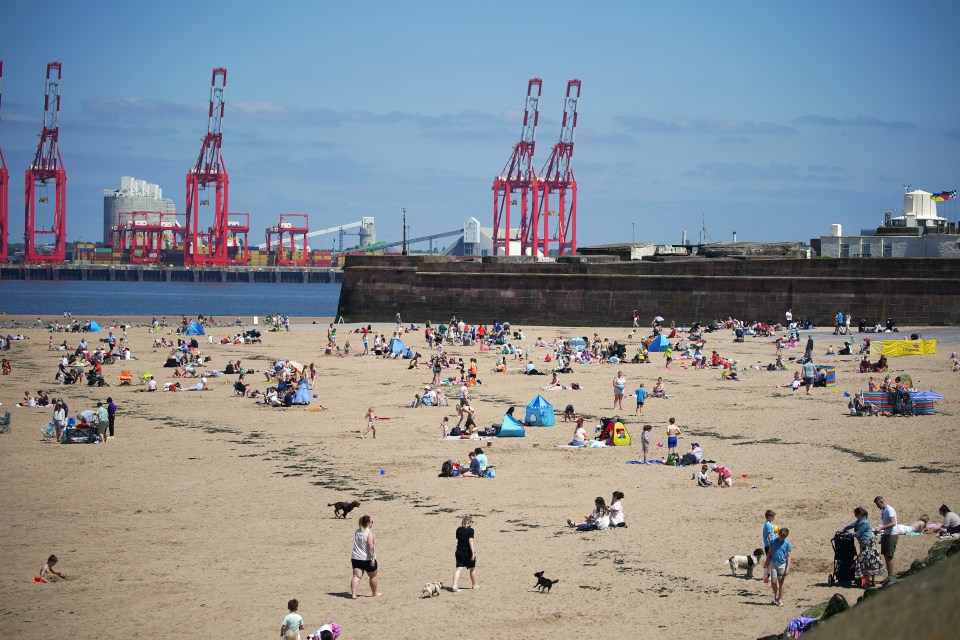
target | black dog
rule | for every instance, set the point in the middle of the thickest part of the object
(544, 584)
(341, 509)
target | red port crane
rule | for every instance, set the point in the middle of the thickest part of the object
(4, 191)
(209, 247)
(556, 178)
(47, 167)
(519, 175)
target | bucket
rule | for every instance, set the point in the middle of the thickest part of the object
(491, 472)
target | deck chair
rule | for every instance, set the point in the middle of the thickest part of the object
(146, 377)
(49, 432)
(5, 423)
(125, 377)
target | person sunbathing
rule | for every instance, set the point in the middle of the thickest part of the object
(657, 391)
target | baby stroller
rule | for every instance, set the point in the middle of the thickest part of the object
(844, 554)
(739, 335)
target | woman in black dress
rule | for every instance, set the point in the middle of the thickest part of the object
(466, 554)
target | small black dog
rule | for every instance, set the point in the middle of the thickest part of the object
(341, 509)
(544, 584)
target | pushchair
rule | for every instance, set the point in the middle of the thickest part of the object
(739, 335)
(844, 556)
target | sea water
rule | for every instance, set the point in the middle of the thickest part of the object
(118, 299)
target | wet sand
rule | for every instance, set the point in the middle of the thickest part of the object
(207, 512)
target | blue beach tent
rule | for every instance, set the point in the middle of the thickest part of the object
(540, 413)
(94, 327)
(302, 395)
(659, 343)
(397, 347)
(511, 428)
(195, 329)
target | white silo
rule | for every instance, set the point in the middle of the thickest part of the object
(133, 195)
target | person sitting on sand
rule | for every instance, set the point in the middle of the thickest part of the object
(49, 573)
(951, 521)
(702, 479)
(579, 435)
(658, 391)
(474, 470)
(598, 519)
(28, 400)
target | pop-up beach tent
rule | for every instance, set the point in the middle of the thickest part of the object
(660, 343)
(511, 428)
(540, 413)
(397, 347)
(302, 395)
(94, 327)
(195, 329)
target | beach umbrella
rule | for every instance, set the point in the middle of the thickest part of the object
(295, 365)
(658, 319)
(578, 344)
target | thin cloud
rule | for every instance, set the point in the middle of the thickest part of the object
(859, 121)
(136, 105)
(743, 171)
(642, 124)
(606, 138)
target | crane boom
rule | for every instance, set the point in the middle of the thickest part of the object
(209, 161)
(47, 166)
(520, 175)
(557, 177)
(4, 190)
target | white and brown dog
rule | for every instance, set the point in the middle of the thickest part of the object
(745, 562)
(431, 590)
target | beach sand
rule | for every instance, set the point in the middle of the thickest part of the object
(207, 512)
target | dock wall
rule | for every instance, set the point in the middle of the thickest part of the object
(596, 291)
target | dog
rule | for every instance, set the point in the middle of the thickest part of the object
(745, 562)
(544, 584)
(341, 509)
(431, 590)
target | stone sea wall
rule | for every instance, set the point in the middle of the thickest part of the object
(597, 291)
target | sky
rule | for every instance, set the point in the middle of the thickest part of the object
(771, 119)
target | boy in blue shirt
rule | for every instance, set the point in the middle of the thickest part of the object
(768, 536)
(778, 564)
(641, 394)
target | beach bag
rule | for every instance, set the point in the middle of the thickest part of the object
(672, 460)
(456, 431)
(446, 469)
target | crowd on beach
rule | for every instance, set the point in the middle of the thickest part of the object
(505, 351)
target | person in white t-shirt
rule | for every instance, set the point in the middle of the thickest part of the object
(292, 623)
(579, 435)
(888, 536)
(616, 510)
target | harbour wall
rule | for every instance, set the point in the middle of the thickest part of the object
(136, 273)
(599, 290)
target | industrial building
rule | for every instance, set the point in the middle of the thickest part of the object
(919, 232)
(133, 195)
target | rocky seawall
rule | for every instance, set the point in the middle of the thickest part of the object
(600, 290)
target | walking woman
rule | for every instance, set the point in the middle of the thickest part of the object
(619, 383)
(868, 564)
(364, 557)
(466, 554)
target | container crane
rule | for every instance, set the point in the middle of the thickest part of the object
(208, 172)
(556, 178)
(4, 191)
(47, 166)
(519, 175)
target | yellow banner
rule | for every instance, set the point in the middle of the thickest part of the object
(903, 348)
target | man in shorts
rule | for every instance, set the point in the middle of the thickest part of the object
(888, 537)
(103, 422)
(673, 435)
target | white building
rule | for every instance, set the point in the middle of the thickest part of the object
(133, 195)
(918, 232)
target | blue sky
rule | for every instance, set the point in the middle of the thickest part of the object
(776, 119)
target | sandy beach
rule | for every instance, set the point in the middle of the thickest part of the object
(207, 512)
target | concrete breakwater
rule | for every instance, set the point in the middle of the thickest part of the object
(139, 273)
(596, 291)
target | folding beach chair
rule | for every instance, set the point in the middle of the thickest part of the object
(146, 377)
(125, 377)
(5, 423)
